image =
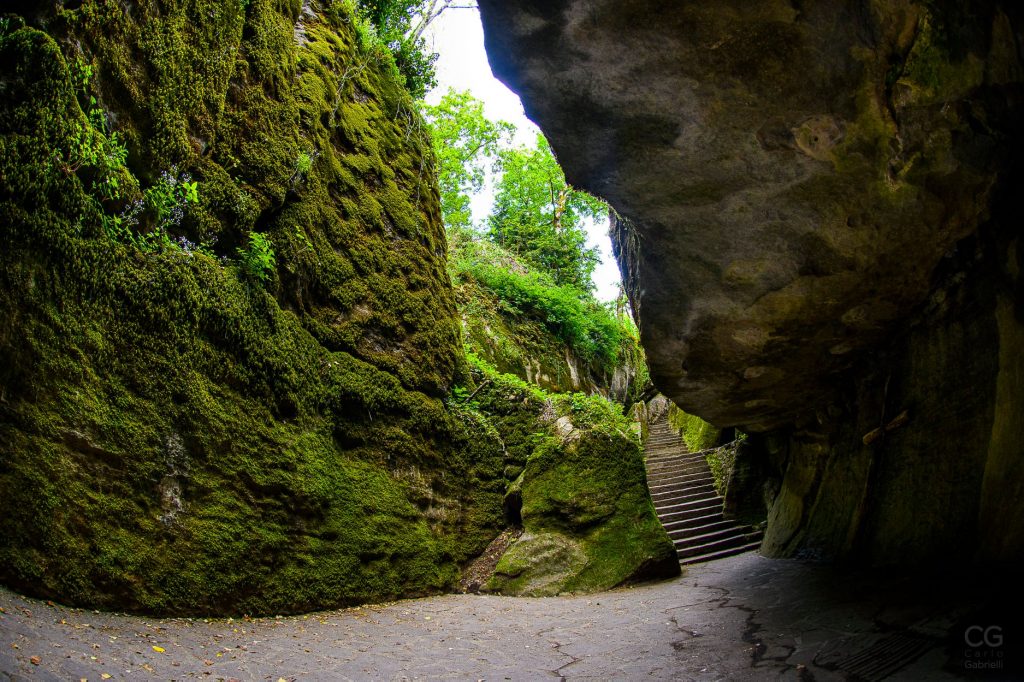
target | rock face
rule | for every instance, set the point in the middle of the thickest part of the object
(182, 427)
(236, 396)
(581, 496)
(817, 232)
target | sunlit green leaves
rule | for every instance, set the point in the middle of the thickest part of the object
(539, 217)
(466, 145)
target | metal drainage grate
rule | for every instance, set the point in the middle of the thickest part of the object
(886, 656)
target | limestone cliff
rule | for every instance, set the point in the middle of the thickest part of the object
(819, 233)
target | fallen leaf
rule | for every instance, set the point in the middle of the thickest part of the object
(35, 660)
(148, 667)
(105, 676)
(158, 649)
(207, 662)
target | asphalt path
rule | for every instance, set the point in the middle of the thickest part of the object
(745, 617)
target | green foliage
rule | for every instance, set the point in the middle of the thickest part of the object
(257, 260)
(539, 217)
(91, 150)
(465, 140)
(168, 198)
(589, 329)
(303, 164)
(398, 25)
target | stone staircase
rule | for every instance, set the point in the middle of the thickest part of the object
(686, 501)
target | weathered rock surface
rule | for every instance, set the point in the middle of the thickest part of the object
(816, 232)
(189, 426)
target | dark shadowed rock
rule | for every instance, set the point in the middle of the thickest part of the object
(818, 230)
(788, 174)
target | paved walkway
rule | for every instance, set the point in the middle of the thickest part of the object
(744, 617)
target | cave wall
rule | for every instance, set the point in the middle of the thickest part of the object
(943, 484)
(816, 230)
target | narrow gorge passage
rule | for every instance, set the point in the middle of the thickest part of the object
(740, 618)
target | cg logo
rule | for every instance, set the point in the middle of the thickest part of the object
(976, 635)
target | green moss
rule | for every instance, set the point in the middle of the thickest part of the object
(932, 74)
(592, 351)
(590, 524)
(696, 433)
(175, 438)
(588, 516)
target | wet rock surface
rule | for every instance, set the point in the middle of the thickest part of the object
(745, 617)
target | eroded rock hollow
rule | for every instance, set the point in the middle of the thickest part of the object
(818, 230)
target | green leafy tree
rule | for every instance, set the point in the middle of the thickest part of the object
(465, 140)
(400, 24)
(538, 216)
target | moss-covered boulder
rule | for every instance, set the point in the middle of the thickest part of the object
(578, 486)
(226, 396)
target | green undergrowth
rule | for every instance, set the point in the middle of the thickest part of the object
(225, 393)
(522, 323)
(576, 482)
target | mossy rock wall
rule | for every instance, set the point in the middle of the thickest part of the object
(177, 436)
(520, 343)
(697, 433)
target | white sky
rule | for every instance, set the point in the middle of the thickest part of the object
(458, 38)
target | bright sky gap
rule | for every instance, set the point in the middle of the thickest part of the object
(458, 37)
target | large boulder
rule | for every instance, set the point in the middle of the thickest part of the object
(817, 230)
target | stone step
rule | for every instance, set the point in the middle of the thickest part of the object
(685, 477)
(699, 502)
(722, 554)
(688, 537)
(685, 495)
(667, 493)
(689, 513)
(666, 486)
(673, 458)
(678, 467)
(701, 525)
(668, 456)
(659, 467)
(699, 520)
(726, 543)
